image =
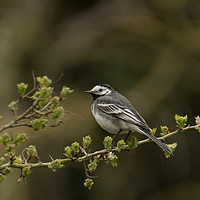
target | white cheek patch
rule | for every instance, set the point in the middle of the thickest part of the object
(104, 91)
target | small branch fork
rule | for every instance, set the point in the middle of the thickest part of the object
(88, 156)
(32, 111)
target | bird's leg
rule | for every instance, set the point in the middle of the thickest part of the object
(114, 137)
(129, 132)
(126, 150)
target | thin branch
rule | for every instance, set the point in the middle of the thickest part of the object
(87, 156)
(35, 87)
(170, 134)
(58, 79)
(34, 79)
(14, 123)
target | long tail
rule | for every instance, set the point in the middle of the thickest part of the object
(157, 141)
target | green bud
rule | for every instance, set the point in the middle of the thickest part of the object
(55, 164)
(44, 81)
(13, 106)
(132, 143)
(21, 138)
(39, 124)
(55, 101)
(86, 141)
(46, 92)
(89, 183)
(10, 150)
(111, 158)
(31, 151)
(43, 102)
(197, 121)
(172, 148)
(181, 121)
(65, 91)
(18, 160)
(75, 147)
(92, 165)
(121, 144)
(68, 152)
(153, 131)
(22, 88)
(5, 138)
(107, 142)
(26, 171)
(58, 112)
(164, 130)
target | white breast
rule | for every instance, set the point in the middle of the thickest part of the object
(105, 124)
(112, 127)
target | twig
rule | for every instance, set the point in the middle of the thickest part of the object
(58, 79)
(14, 123)
(89, 155)
(35, 87)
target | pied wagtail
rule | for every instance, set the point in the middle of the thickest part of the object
(115, 114)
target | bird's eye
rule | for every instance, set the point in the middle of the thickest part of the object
(100, 90)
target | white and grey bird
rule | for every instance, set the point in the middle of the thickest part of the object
(115, 114)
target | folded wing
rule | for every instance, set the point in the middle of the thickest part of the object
(124, 113)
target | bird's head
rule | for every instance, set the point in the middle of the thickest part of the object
(100, 90)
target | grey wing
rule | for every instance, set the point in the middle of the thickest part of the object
(132, 116)
(124, 113)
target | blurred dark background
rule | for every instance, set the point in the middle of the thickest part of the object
(147, 50)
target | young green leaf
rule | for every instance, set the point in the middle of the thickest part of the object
(107, 142)
(21, 138)
(65, 91)
(92, 165)
(197, 121)
(111, 158)
(32, 151)
(121, 144)
(172, 148)
(86, 141)
(39, 124)
(181, 121)
(22, 89)
(10, 150)
(5, 138)
(55, 164)
(75, 148)
(26, 171)
(132, 144)
(13, 106)
(89, 183)
(153, 131)
(44, 81)
(55, 101)
(58, 112)
(68, 152)
(164, 130)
